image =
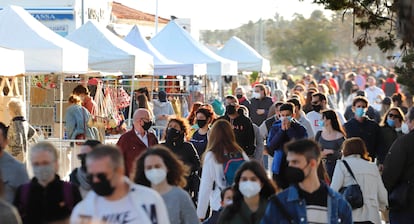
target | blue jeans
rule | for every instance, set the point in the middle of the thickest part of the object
(401, 217)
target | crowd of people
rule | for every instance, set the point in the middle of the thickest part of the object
(280, 156)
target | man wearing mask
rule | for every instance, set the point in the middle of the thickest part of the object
(114, 198)
(282, 131)
(319, 103)
(259, 104)
(363, 127)
(137, 140)
(78, 175)
(46, 198)
(241, 97)
(13, 172)
(242, 125)
(308, 199)
(399, 172)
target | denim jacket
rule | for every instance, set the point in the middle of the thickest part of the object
(339, 210)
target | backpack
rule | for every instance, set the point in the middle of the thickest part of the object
(390, 88)
(25, 191)
(232, 164)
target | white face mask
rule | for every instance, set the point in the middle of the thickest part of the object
(404, 128)
(249, 188)
(256, 95)
(228, 202)
(156, 175)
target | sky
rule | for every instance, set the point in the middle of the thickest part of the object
(223, 14)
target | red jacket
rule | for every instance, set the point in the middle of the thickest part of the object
(391, 80)
(132, 147)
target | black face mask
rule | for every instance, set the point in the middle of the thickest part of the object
(103, 187)
(230, 109)
(317, 108)
(82, 158)
(294, 175)
(239, 96)
(173, 135)
(147, 125)
(201, 123)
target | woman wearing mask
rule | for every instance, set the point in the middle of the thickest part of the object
(368, 178)
(221, 142)
(330, 138)
(161, 170)
(175, 140)
(204, 118)
(251, 192)
(390, 128)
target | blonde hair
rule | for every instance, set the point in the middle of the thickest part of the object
(16, 107)
(74, 99)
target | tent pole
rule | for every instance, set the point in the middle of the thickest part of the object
(132, 100)
(152, 87)
(27, 100)
(61, 107)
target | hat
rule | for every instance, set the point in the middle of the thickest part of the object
(386, 100)
(162, 96)
(93, 81)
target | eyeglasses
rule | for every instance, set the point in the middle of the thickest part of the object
(100, 176)
(393, 116)
(145, 119)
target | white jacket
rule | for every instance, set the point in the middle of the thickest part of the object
(212, 173)
(147, 202)
(369, 179)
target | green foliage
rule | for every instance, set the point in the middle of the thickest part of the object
(301, 41)
(253, 77)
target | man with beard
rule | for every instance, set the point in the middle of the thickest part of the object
(78, 175)
(114, 198)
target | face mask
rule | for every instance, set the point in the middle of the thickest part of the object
(256, 95)
(321, 123)
(360, 112)
(249, 188)
(289, 118)
(228, 202)
(317, 108)
(103, 187)
(404, 128)
(201, 123)
(173, 134)
(239, 96)
(156, 175)
(230, 109)
(294, 175)
(147, 125)
(44, 173)
(390, 122)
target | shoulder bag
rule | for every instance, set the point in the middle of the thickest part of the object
(352, 193)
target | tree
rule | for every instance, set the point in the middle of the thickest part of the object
(301, 41)
(393, 22)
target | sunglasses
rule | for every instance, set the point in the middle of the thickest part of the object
(100, 176)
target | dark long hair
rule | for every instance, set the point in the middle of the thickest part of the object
(384, 118)
(267, 190)
(331, 115)
(355, 146)
(176, 170)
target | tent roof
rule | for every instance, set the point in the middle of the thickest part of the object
(11, 61)
(177, 44)
(162, 65)
(109, 53)
(248, 58)
(44, 50)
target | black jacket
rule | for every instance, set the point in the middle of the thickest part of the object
(186, 152)
(388, 136)
(399, 165)
(244, 132)
(45, 204)
(264, 103)
(368, 130)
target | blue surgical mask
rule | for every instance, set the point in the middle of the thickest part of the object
(390, 122)
(289, 118)
(321, 123)
(360, 112)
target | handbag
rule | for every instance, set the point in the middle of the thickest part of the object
(352, 193)
(399, 196)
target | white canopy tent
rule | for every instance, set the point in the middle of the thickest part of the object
(177, 44)
(162, 65)
(44, 50)
(248, 59)
(11, 62)
(109, 53)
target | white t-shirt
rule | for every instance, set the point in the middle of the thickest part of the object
(314, 117)
(121, 211)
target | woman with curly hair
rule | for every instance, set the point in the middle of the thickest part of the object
(161, 170)
(252, 190)
(176, 141)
